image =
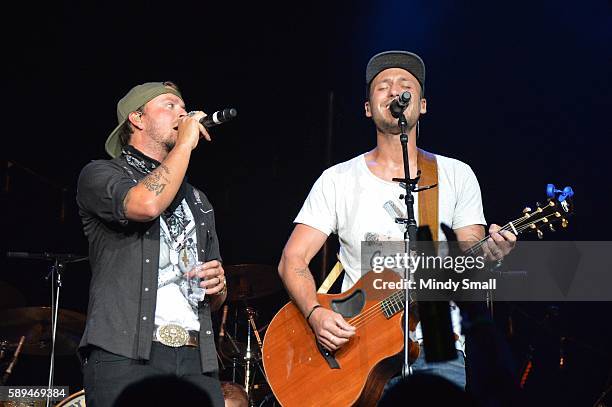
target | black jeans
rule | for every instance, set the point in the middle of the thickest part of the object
(106, 375)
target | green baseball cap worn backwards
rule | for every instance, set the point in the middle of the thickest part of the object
(135, 98)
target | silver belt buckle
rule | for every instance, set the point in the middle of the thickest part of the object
(172, 335)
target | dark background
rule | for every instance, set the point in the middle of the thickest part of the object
(519, 90)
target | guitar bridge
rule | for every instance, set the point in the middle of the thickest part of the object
(328, 356)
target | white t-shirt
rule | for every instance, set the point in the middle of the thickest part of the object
(349, 200)
(173, 303)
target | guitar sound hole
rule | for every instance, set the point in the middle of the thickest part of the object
(350, 306)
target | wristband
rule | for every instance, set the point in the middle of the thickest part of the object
(311, 311)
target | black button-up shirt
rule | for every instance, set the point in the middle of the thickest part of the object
(124, 258)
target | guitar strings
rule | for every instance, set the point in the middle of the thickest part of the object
(372, 311)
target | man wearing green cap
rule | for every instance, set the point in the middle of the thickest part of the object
(153, 250)
(358, 200)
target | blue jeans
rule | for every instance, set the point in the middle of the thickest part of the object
(452, 370)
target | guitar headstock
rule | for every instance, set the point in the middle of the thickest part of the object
(555, 212)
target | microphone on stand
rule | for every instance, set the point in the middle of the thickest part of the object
(399, 104)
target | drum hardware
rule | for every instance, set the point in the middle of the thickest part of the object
(11, 365)
(35, 324)
(244, 355)
(235, 355)
(604, 400)
(4, 345)
(60, 260)
(234, 394)
(240, 342)
(251, 281)
(74, 400)
(249, 358)
(10, 297)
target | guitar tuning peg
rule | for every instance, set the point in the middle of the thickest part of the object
(540, 234)
(551, 227)
(526, 210)
(564, 223)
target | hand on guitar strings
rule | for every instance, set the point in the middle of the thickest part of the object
(499, 243)
(330, 328)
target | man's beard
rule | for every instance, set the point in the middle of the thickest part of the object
(391, 126)
(169, 144)
(164, 139)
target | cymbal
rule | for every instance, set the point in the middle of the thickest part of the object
(10, 297)
(229, 352)
(250, 281)
(35, 324)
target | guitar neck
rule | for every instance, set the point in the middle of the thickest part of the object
(393, 304)
(545, 215)
(528, 221)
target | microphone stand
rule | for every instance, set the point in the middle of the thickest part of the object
(410, 233)
(55, 274)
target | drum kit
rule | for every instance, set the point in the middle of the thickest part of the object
(30, 331)
(240, 336)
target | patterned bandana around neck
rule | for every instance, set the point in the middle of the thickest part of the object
(138, 160)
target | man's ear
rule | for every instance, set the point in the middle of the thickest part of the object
(423, 106)
(136, 119)
(366, 106)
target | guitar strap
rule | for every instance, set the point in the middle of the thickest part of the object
(331, 278)
(428, 208)
(428, 199)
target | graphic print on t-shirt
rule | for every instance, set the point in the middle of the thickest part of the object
(178, 250)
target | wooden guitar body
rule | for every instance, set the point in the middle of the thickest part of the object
(300, 375)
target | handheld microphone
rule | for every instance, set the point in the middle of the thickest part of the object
(399, 104)
(219, 117)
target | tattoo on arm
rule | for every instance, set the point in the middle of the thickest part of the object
(165, 168)
(304, 273)
(155, 181)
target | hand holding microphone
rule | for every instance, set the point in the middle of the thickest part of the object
(190, 130)
(204, 122)
(218, 117)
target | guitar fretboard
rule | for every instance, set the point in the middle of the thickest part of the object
(392, 304)
(548, 214)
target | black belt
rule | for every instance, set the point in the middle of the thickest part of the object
(175, 335)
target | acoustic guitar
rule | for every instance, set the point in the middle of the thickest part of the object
(302, 373)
